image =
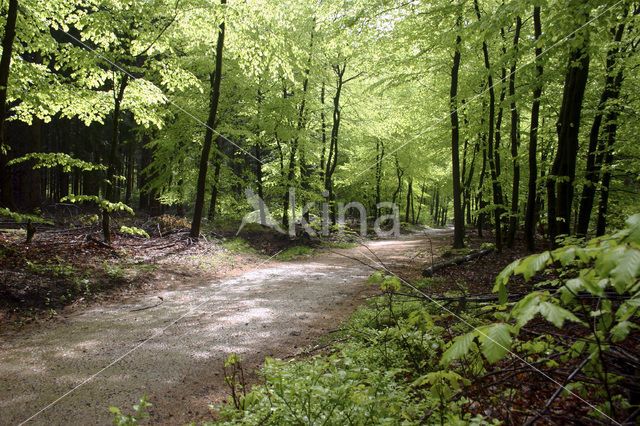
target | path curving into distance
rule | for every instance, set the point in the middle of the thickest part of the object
(71, 371)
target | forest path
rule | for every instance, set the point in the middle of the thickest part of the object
(174, 352)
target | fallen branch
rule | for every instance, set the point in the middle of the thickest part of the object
(458, 260)
(558, 392)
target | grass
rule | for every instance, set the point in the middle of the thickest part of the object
(237, 245)
(295, 252)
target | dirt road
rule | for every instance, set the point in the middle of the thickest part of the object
(72, 371)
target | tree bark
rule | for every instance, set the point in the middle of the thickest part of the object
(332, 158)
(611, 92)
(531, 212)
(111, 165)
(215, 79)
(215, 187)
(491, 153)
(6, 188)
(611, 129)
(568, 127)
(515, 140)
(294, 146)
(458, 214)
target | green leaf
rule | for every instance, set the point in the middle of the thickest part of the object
(556, 314)
(458, 349)
(533, 264)
(505, 274)
(526, 309)
(496, 342)
(626, 271)
(376, 278)
(621, 330)
(634, 226)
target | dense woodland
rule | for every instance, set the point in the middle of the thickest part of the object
(512, 120)
(504, 116)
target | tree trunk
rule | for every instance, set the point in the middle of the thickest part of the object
(417, 218)
(399, 174)
(130, 171)
(379, 157)
(215, 187)
(113, 154)
(258, 155)
(493, 159)
(332, 158)
(215, 79)
(458, 214)
(515, 141)
(611, 129)
(294, 146)
(611, 92)
(409, 197)
(6, 188)
(568, 127)
(531, 213)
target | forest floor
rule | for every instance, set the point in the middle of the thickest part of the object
(159, 317)
(180, 313)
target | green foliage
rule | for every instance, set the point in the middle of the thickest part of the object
(54, 159)
(100, 202)
(383, 373)
(132, 230)
(597, 287)
(23, 217)
(120, 419)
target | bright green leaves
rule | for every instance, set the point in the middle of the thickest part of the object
(460, 347)
(132, 230)
(495, 342)
(53, 159)
(441, 383)
(633, 224)
(102, 203)
(387, 282)
(626, 270)
(529, 266)
(23, 217)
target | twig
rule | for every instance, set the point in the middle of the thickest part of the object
(148, 307)
(558, 391)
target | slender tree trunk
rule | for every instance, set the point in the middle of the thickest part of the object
(379, 157)
(259, 178)
(399, 174)
(6, 188)
(409, 197)
(294, 146)
(215, 188)
(323, 127)
(611, 129)
(564, 165)
(215, 79)
(491, 153)
(458, 214)
(332, 158)
(437, 207)
(532, 204)
(515, 140)
(130, 171)
(611, 92)
(417, 218)
(111, 165)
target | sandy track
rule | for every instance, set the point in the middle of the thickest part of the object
(273, 310)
